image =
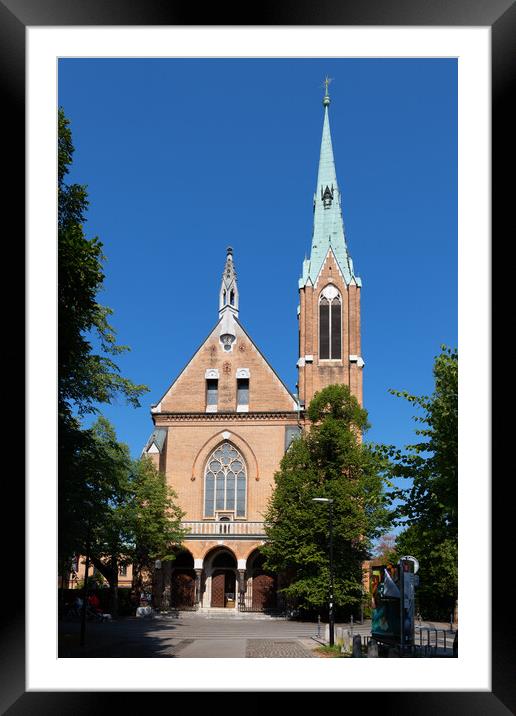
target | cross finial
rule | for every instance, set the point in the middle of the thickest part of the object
(326, 99)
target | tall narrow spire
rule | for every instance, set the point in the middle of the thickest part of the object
(328, 227)
(228, 297)
(228, 303)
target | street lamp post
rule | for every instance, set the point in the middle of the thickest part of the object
(88, 506)
(331, 613)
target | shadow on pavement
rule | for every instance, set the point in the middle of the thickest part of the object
(128, 637)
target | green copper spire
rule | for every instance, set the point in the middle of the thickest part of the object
(328, 229)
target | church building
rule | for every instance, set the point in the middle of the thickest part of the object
(222, 427)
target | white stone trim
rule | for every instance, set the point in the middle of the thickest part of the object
(211, 408)
(243, 373)
(309, 359)
(358, 360)
(242, 408)
(226, 434)
(153, 449)
(330, 292)
(197, 563)
(300, 363)
(157, 408)
(241, 563)
(211, 373)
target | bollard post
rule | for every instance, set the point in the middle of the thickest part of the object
(372, 649)
(319, 625)
(456, 644)
(357, 646)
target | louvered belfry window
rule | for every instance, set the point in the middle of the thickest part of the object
(330, 324)
(324, 328)
(225, 482)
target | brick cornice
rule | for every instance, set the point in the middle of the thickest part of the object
(160, 418)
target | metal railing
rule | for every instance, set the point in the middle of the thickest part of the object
(274, 605)
(427, 635)
(199, 527)
(429, 642)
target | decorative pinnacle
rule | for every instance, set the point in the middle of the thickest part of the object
(230, 250)
(326, 98)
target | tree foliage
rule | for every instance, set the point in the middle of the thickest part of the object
(429, 504)
(131, 514)
(438, 570)
(153, 517)
(330, 461)
(87, 376)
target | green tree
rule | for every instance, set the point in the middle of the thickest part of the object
(154, 520)
(330, 461)
(87, 376)
(134, 519)
(438, 570)
(107, 533)
(429, 505)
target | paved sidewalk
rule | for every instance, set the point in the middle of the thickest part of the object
(276, 649)
(214, 649)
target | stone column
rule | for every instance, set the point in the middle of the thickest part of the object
(157, 588)
(166, 571)
(241, 587)
(198, 577)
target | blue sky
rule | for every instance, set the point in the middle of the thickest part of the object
(183, 158)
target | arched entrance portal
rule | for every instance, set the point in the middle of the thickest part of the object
(263, 586)
(223, 581)
(182, 584)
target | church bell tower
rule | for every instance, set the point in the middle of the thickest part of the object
(329, 291)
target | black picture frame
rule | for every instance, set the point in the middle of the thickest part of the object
(15, 17)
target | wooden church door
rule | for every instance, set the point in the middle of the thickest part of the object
(218, 583)
(264, 592)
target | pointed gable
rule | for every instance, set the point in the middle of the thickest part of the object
(212, 362)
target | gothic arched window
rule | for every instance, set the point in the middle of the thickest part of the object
(225, 482)
(330, 324)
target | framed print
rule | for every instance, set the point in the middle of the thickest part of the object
(45, 44)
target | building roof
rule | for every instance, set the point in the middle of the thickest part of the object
(328, 228)
(157, 438)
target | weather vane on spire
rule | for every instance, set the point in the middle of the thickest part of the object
(326, 99)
